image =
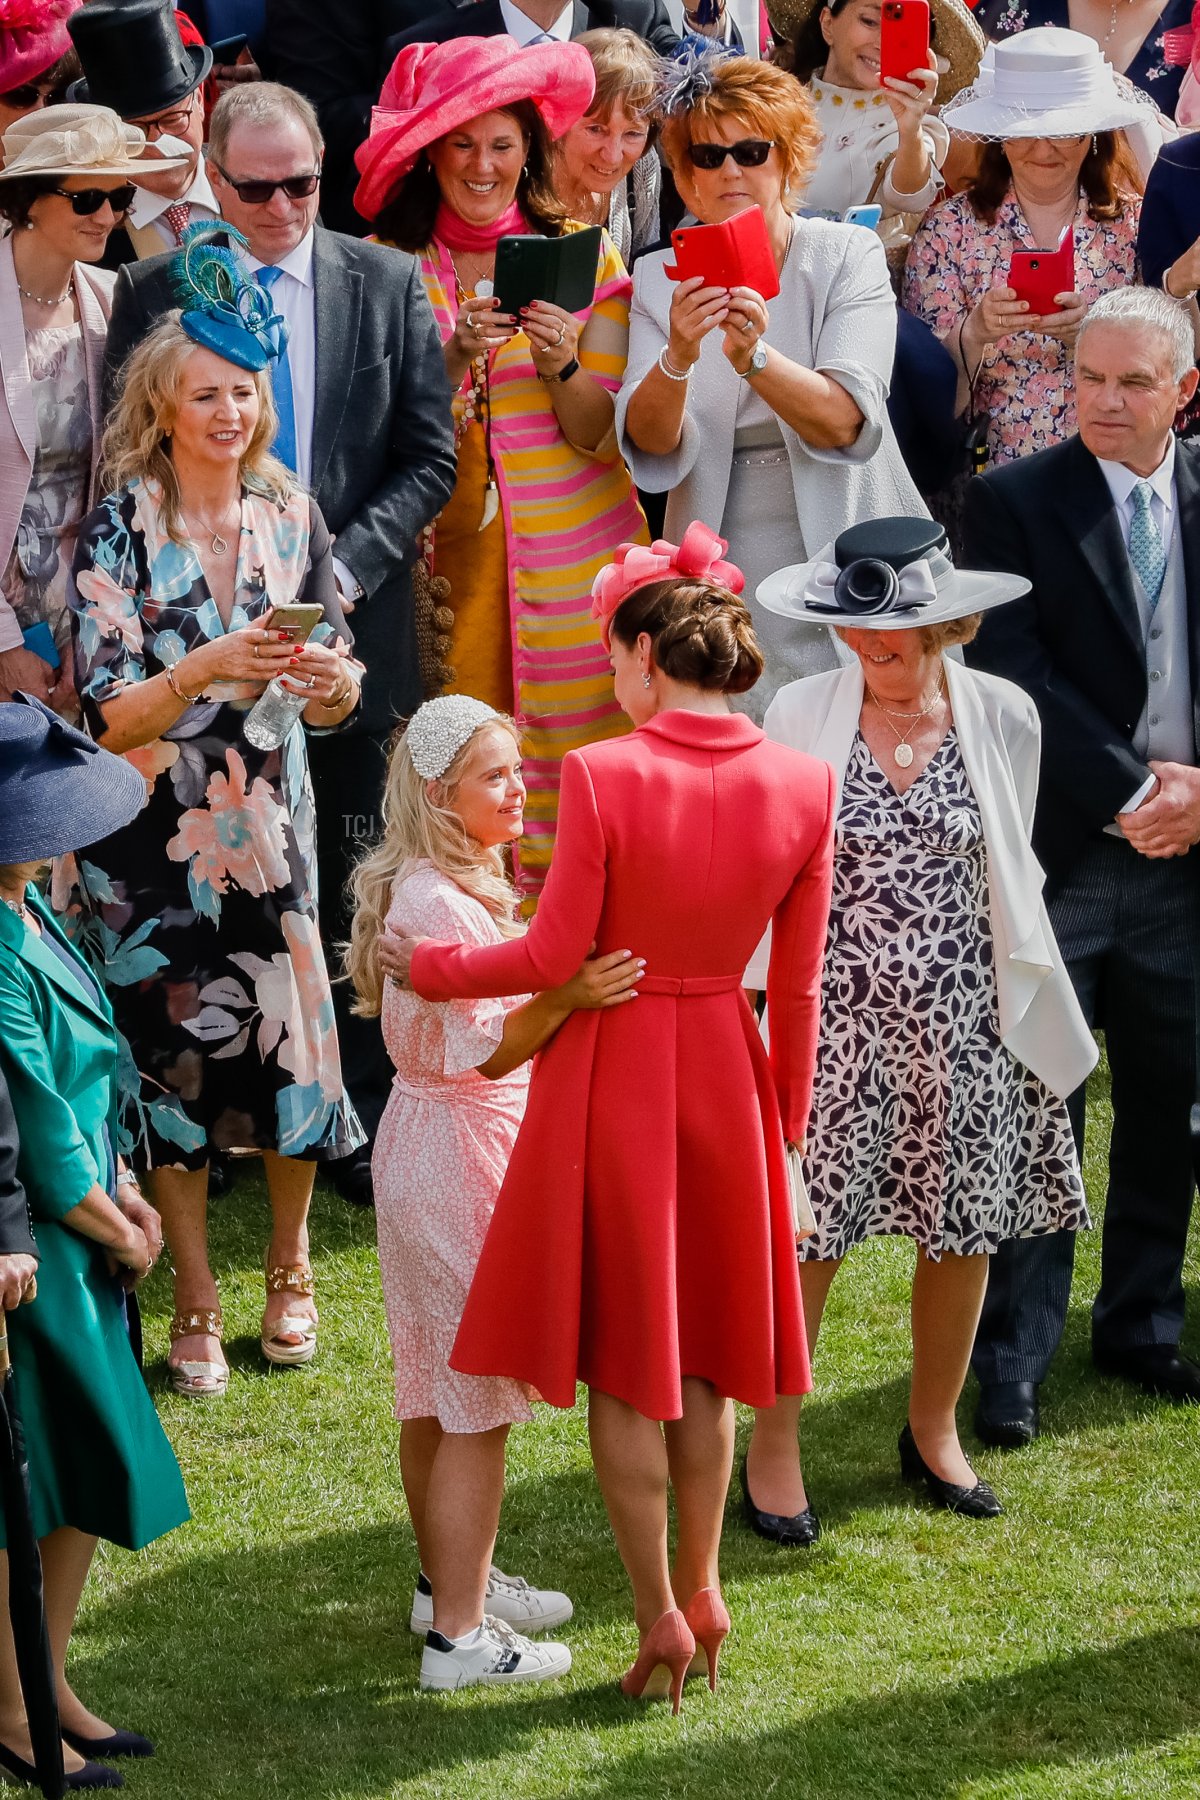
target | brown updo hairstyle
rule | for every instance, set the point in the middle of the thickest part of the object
(700, 633)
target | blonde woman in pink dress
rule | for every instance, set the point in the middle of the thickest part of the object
(454, 798)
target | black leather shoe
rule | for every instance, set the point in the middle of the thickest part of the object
(978, 1502)
(92, 1775)
(351, 1176)
(120, 1743)
(1007, 1416)
(220, 1180)
(1158, 1368)
(795, 1531)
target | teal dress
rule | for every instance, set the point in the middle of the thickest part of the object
(98, 1458)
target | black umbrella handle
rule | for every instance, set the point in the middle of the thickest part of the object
(5, 1359)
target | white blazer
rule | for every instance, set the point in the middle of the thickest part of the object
(1041, 1023)
(18, 427)
(835, 312)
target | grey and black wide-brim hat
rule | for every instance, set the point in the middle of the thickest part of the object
(886, 575)
(58, 790)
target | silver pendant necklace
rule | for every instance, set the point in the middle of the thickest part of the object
(903, 754)
(220, 545)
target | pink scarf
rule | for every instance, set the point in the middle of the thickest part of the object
(458, 234)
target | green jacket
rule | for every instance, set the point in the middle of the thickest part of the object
(58, 1052)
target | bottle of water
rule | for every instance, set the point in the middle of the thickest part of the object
(273, 715)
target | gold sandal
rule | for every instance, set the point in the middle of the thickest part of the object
(197, 1380)
(291, 1278)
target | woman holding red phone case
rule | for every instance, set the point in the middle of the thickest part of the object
(1049, 167)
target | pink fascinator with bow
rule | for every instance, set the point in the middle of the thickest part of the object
(1182, 47)
(698, 558)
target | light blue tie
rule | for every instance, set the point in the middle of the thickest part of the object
(1147, 552)
(281, 383)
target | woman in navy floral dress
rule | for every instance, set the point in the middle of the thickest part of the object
(202, 913)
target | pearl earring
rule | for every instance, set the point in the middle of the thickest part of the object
(645, 681)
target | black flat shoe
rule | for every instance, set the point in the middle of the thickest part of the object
(1007, 1416)
(1158, 1368)
(978, 1502)
(92, 1775)
(121, 1743)
(795, 1531)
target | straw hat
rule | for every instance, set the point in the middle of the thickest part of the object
(1048, 82)
(77, 140)
(957, 39)
(432, 88)
(887, 575)
(33, 37)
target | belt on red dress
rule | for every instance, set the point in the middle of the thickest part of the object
(687, 987)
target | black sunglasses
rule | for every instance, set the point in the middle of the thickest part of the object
(30, 93)
(257, 193)
(747, 153)
(90, 200)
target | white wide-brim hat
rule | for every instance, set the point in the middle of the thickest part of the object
(1048, 82)
(78, 140)
(887, 575)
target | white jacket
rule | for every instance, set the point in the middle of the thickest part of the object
(1041, 1023)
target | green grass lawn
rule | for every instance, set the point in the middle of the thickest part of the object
(266, 1645)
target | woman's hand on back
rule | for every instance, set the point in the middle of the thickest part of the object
(602, 981)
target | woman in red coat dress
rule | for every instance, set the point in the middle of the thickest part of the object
(643, 1240)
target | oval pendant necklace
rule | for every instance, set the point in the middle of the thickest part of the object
(903, 754)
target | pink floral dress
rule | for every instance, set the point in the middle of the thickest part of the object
(1026, 385)
(201, 914)
(440, 1156)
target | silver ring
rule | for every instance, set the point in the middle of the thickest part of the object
(545, 349)
(256, 649)
(311, 682)
(562, 332)
(473, 324)
(747, 325)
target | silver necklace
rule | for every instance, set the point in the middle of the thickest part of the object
(219, 544)
(40, 299)
(1112, 18)
(17, 906)
(902, 755)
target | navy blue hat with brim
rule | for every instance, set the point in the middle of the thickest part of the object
(58, 790)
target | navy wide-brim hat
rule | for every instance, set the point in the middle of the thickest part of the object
(58, 790)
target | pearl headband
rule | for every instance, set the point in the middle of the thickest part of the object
(438, 730)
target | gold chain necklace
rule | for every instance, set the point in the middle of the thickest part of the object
(903, 753)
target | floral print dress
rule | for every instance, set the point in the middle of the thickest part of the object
(1026, 384)
(201, 914)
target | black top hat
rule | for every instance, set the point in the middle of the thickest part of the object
(133, 57)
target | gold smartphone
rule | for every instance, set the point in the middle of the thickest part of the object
(299, 619)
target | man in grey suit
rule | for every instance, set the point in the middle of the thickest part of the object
(1107, 528)
(364, 404)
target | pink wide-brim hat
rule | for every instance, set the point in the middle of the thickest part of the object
(33, 35)
(432, 88)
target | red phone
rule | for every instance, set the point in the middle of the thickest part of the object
(1037, 275)
(903, 38)
(736, 253)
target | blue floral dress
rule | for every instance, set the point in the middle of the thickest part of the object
(201, 914)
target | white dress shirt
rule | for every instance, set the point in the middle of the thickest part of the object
(1164, 511)
(149, 209)
(527, 31)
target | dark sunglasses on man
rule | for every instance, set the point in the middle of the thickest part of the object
(258, 193)
(747, 153)
(89, 200)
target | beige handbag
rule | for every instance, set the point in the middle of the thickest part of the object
(804, 1220)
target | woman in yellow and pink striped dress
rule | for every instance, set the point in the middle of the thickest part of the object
(543, 497)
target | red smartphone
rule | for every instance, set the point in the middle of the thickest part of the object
(736, 253)
(1037, 275)
(903, 38)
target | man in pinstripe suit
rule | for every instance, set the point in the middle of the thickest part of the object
(1107, 529)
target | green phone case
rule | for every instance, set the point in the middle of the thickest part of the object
(559, 270)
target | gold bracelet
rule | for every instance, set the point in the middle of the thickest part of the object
(173, 684)
(336, 700)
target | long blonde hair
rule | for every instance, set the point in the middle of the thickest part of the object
(419, 826)
(136, 443)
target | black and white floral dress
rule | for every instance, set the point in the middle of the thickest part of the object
(923, 1124)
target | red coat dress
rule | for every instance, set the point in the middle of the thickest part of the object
(644, 1231)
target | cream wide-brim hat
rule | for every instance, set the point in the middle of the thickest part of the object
(957, 38)
(78, 140)
(1048, 82)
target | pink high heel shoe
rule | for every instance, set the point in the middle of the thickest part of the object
(662, 1662)
(708, 1621)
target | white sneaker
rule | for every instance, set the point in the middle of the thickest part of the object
(498, 1655)
(508, 1597)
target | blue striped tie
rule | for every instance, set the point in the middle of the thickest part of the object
(281, 383)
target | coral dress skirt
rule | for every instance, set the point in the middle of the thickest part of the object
(644, 1233)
